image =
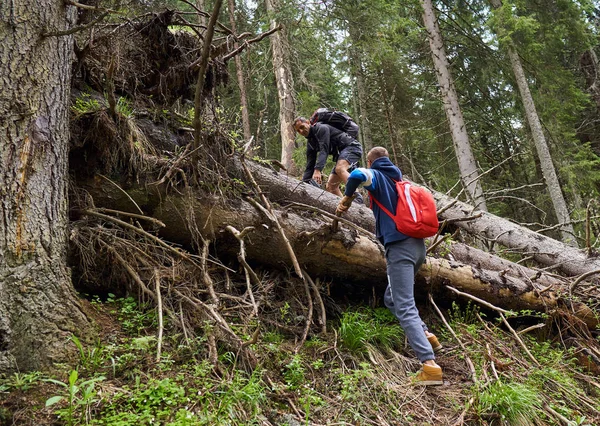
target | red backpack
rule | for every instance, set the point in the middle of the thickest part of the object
(416, 214)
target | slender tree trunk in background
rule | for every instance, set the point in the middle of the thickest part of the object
(285, 89)
(388, 118)
(362, 107)
(356, 67)
(361, 137)
(39, 309)
(199, 98)
(241, 79)
(537, 133)
(462, 146)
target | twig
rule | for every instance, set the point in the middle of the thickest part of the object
(478, 300)
(245, 44)
(468, 360)
(141, 232)
(77, 28)
(461, 419)
(308, 315)
(332, 216)
(124, 192)
(203, 64)
(242, 259)
(267, 204)
(206, 276)
(136, 216)
(581, 278)
(489, 351)
(320, 302)
(501, 312)
(533, 327)
(556, 414)
(160, 315)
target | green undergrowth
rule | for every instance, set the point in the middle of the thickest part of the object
(358, 373)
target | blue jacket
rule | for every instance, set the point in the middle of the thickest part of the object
(378, 181)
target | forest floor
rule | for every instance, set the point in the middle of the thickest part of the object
(358, 373)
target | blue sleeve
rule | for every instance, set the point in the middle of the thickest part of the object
(360, 177)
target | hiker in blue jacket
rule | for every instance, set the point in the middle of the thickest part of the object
(324, 140)
(404, 256)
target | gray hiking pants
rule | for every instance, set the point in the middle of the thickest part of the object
(404, 258)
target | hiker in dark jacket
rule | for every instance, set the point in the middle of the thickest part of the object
(324, 140)
(404, 256)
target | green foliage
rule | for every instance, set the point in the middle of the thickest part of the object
(515, 403)
(124, 107)
(351, 381)
(466, 315)
(21, 381)
(135, 319)
(91, 358)
(294, 372)
(85, 104)
(358, 329)
(79, 395)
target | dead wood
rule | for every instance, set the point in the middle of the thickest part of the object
(551, 253)
(344, 256)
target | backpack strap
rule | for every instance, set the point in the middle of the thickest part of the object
(381, 206)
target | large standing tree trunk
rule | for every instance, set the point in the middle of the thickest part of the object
(38, 306)
(239, 72)
(558, 200)
(285, 89)
(462, 146)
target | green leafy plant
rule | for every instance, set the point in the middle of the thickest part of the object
(358, 329)
(89, 358)
(294, 372)
(515, 403)
(78, 395)
(23, 381)
(85, 104)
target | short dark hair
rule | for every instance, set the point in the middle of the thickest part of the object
(297, 119)
(377, 152)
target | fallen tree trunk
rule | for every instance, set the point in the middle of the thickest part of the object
(547, 251)
(544, 250)
(344, 256)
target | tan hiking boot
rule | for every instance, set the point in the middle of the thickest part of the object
(434, 342)
(429, 375)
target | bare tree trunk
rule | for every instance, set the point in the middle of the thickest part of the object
(241, 79)
(285, 89)
(388, 119)
(362, 106)
(462, 146)
(546, 164)
(356, 64)
(38, 306)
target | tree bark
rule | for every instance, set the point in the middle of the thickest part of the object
(241, 79)
(544, 250)
(38, 306)
(345, 256)
(466, 160)
(537, 133)
(285, 89)
(361, 91)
